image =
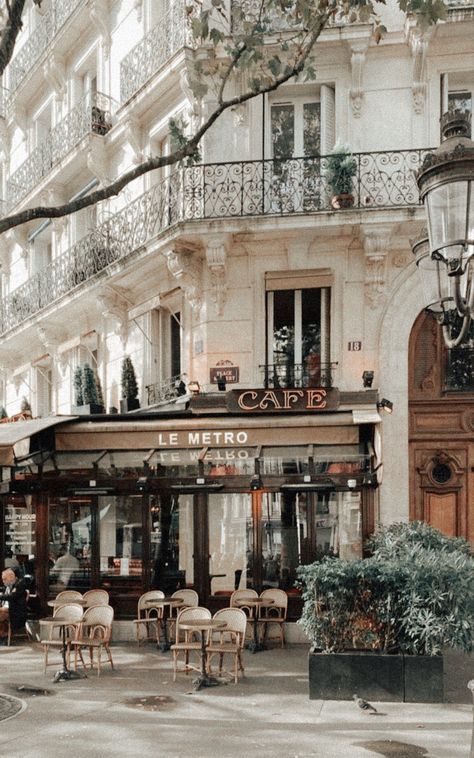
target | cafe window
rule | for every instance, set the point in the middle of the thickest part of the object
(172, 541)
(70, 543)
(298, 330)
(19, 549)
(121, 536)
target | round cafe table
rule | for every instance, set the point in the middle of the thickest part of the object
(162, 623)
(254, 603)
(63, 674)
(203, 626)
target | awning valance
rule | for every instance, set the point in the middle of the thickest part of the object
(15, 437)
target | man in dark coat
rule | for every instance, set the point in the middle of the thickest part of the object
(13, 602)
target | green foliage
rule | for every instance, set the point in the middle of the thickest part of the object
(100, 394)
(341, 169)
(25, 406)
(178, 139)
(89, 387)
(3, 413)
(415, 595)
(128, 380)
(78, 394)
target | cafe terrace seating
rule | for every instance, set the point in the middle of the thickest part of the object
(228, 641)
(190, 599)
(274, 614)
(187, 641)
(237, 601)
(147, 615)
(71, 613)
(69, 596)
(94, 633)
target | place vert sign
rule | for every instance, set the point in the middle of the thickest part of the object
(309, 399)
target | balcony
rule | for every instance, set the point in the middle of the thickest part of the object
(162, 392)
(220, 190)
(154, 50)
(37, 43)
(91, 115)
(459, 10)
(282, 375)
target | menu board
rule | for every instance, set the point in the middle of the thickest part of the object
(20, 530)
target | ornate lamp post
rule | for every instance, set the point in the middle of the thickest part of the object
(445, 257)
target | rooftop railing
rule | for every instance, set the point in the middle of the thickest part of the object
(220, 190)
(164, 391)
(155, 49)
(288, 374)
(92, 114)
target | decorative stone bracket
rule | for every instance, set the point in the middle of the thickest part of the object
(54, 72)
(194, 112)
(99, 17)
(185, 265)
(97, 162)
(376, 243)
(115, 306)
(419, 48)
(216, 258)
(134, 137)
(358, 53)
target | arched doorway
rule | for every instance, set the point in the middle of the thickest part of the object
(441, 430)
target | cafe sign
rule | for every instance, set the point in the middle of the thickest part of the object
(310, 399)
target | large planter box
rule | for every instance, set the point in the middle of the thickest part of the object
(87, 409)
(375, 676)
(129, 404)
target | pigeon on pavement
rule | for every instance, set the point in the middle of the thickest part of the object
(364, 705)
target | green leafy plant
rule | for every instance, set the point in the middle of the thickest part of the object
(341, 169)
(78, 394)
(25, 406)
(414, 595)
(129, 384)
(89, 386)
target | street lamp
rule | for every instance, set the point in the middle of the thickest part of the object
(445, 259)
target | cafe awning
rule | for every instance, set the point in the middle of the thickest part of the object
(16, 437)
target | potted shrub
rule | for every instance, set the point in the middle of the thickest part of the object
(129, 387)
(378, 625)
(341, 169)
(86, 396)
(25, 408)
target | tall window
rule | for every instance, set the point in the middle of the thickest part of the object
(298, 349)
(457, 92)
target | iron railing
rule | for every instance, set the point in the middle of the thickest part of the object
(92, 114)
(164, 391)
(171, 34)
(282, 375)
(38, 41)
(219, 190)
(459, 374)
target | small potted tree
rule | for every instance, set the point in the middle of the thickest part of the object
(341, 169)
(378, 626)
(25, 408)
(85, 391)
(129, 400)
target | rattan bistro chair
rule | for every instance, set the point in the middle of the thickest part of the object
(95, 632)
(274, 614)
(68, 596)
(95, 597)
(190, 599)
(187, 641)
(237, 601)
(147, 615)
(71, 613)
(229, 641)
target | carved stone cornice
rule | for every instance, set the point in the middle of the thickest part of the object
(54, 72)
(185, 266)
(97, 161)
(358, 53)
(376, 244)
(216, 259)
(113, 305)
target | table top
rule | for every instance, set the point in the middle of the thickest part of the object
(203, 624)
(254, 601)
(56, 603)
(164, 601)
(59, 622)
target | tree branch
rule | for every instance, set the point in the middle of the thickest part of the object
(10, 32)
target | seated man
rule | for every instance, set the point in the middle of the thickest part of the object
(13, 605)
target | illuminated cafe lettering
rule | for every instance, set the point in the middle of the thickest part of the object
(213, 438)
(282, 400)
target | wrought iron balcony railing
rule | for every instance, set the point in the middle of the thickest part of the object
(282, 375)
(37, 43)
(459, 376)
(92, 114)
(171, 34)
(220, 190)
(164, 391)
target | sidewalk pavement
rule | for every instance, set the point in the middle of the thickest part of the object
(137, 710)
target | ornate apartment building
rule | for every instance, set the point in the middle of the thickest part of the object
(250, 305)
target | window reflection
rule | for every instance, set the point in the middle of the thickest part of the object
(69, 543)
(120, 529)
(172, 540)
(230, 542)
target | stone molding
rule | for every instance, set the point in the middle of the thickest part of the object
(358, 54)
(184, 264)
(376, 244)
(216, 259)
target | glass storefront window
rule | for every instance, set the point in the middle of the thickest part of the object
(20, 537)
(284, 460)
(172, 542)
(70, 540)
(230, 542)
(175, 463)
(230, 461)
(120, 530)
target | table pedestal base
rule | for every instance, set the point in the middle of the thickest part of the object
(205, 681)
(65, 675)
(256, 647)
(163, 646)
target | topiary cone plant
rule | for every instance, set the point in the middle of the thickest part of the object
(129, 386)
(86, 395)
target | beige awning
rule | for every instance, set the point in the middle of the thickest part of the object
(15, 436)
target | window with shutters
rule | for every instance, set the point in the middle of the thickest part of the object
(301, 130)
(43, 378)
(162, 329)
(298, 329)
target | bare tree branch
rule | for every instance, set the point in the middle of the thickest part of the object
(10, 31)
